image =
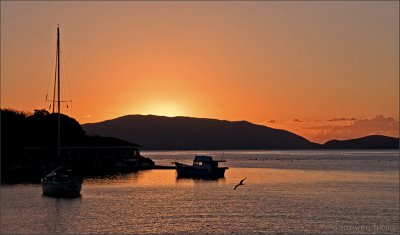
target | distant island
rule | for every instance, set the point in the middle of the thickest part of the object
(367, 142)
(186, 133)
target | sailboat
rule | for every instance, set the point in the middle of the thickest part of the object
(62, 181)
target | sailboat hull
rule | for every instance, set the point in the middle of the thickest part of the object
(62, 189)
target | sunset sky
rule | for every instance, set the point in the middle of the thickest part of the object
(324, 70)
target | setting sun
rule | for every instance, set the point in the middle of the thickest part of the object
(162, 108)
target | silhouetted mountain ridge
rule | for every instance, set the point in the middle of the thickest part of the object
(159, 132)
(189, 133)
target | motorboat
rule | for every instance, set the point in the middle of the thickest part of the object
(203, 167)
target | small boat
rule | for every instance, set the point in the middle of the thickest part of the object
(203, 167)
(62, 181)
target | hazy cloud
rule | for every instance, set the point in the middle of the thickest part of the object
(379, 125)
(321, 131)
(319, 127)
(86, 116)
(341, 119)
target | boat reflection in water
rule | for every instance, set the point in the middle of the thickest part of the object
(203, 167)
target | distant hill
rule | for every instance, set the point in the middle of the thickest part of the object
(185, 133)
(368, 142)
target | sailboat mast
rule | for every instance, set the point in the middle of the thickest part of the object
(58, 93)
(54, 86)
(58, 69)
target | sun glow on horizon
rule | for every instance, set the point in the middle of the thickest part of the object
(162, 108)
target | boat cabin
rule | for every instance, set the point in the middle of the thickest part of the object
(202, 160)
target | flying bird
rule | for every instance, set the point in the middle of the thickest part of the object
(240, 183)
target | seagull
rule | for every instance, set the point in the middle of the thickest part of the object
(241, 183)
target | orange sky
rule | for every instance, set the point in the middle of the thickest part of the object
(290, 65)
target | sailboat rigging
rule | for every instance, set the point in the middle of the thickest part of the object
(55, 105)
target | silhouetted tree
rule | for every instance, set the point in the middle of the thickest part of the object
(41, 112)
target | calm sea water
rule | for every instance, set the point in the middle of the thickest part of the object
(339, 192)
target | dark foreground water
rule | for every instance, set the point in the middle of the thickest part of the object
(340, 192)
